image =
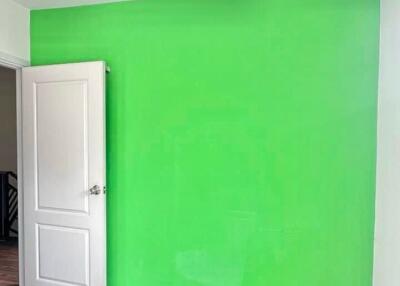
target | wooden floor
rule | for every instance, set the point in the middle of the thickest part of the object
(8, 263)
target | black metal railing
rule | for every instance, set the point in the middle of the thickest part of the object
(8, 204)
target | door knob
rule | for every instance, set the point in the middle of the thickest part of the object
(95, 190)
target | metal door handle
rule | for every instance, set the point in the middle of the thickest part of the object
(95, 190)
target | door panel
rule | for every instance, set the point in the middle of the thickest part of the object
(60, 139)
(73, 265)
(63, 158)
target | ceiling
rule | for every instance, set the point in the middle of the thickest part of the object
(44, 4)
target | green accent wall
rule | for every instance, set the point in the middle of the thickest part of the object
(241, 136)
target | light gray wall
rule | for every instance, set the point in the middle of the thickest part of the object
(14, 31)
(387, 222)
(8, 134)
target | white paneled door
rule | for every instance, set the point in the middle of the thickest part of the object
(63, 171)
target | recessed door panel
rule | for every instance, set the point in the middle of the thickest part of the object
(62, 163)
(70, 267)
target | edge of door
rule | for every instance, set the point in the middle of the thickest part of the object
(17, 65)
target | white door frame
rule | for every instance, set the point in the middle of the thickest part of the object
(17, 64)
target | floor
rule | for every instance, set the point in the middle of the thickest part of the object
(8, 263)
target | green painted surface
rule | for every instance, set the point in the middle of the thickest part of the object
(241, 137)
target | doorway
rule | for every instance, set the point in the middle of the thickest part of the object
(8, 178)
(59, 189)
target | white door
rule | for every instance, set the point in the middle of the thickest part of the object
(63, 171)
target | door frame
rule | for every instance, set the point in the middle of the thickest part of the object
(17, 65)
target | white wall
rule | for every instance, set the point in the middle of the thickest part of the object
(14, 31)
(387, 222)
(8, 124)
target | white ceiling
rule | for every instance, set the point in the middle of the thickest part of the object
(44, 4)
